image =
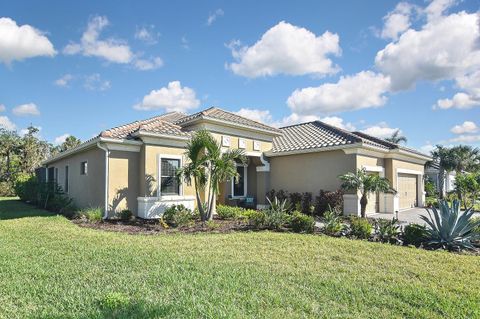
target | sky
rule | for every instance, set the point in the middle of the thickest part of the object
(77, 68)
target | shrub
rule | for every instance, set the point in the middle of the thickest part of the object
(282, 195)
(448, 228)
(257, 218)
(333, 223)
(271, 194)
(276, 216)
(302, 223)
(431, 202)
(414, 234)
(25, 187)
(178, 215)
(229, 212)
(476, 221)
(212, 225)
(295, 199)
(328, 201)
(125, 214)
(307, 203)
(246, 213)
(92, 214)
(387, 230)
(360, 227)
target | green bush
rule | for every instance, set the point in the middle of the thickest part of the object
(476, 229)
(302, 223)
(414, 234)
(431, 202)
(257, 218)
(178, 216)
(212, 225)
(25, 187)
(328, 201)
(229, 212)
(387, 230)
(307, 203)
(333, 223)
(125, 214)
(92, 214)
(360, 227)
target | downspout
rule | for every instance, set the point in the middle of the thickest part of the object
(107, 153)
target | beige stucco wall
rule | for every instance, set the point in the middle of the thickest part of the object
(151, 154)
(392, 165)
(86, 190)
(264, 145)
(363, 160)
(124, 182)
(310, 172)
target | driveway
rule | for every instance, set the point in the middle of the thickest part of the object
(408, 216)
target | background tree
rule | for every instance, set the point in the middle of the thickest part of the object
(445, 158)
(366, 184)
(32, 151)
(396, 138)
(466, 158)
(70, 142)
(9, 163)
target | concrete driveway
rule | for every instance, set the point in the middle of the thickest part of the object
(408, 216)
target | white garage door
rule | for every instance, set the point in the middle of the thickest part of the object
(407, 190)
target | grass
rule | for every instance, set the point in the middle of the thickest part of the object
(51, 268)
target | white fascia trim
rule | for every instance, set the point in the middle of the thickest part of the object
(230, 124)
(150, 134)
(159, 176)
(165, 198)
(313, 150)
(253, 154)
(407, 153)
(265, 167)
(91, 143)
(408, 171)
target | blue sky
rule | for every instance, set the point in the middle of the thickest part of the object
(81, 67)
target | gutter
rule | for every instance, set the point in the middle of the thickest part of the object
(107, 153)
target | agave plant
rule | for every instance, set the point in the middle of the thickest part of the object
(450, 229)
(276, 215)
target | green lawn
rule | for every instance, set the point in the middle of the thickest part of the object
(51, 268)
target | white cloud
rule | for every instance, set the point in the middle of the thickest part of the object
(381, 130)
(148, 64)
(363, 90)
(185, 43)
(427, 148)
(2, 108)
(459, 101)
(26, 110)
(22, 42)
(397, 21)
(147, 35)
(112, 50)
(436, 8)
(60, 139)
(338, 122)
(262, 116)
(174, 97)
(64, 81)
(213, 16)
(466, 127)
(94, 82)
(446, 47)
(467, 139)
(6, 124)
(286, 49)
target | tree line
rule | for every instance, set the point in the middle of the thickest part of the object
(20, 155)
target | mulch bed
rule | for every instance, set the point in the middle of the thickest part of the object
(151, 227)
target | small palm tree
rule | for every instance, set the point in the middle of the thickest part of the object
(466, 158)
(445, 157)
(208, 166)
(396, 138)
(365, 184)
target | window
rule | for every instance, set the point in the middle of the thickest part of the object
(256, 145)
(169, 183)
(83, 168)
(56, 175)
(239, 184)
(226, 141)
(66, 179)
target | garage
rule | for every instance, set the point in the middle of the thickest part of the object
(407, 190)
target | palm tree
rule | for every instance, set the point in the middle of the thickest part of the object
(396, 138)
(466, 158)
(445, 158)
(365, 184)
(208, 166)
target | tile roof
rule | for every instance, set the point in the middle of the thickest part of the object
(317, 134)
(219, 114)
(162, 124)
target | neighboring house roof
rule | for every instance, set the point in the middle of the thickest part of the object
(317, 135)
(225, 116)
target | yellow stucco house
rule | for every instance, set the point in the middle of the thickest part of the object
(133, 166)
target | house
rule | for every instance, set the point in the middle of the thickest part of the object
(432, 173)
(133, 166)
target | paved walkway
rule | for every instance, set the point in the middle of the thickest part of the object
(408, 216)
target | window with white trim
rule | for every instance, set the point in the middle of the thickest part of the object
(169, 184)
(239, 186)
(84, 168)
